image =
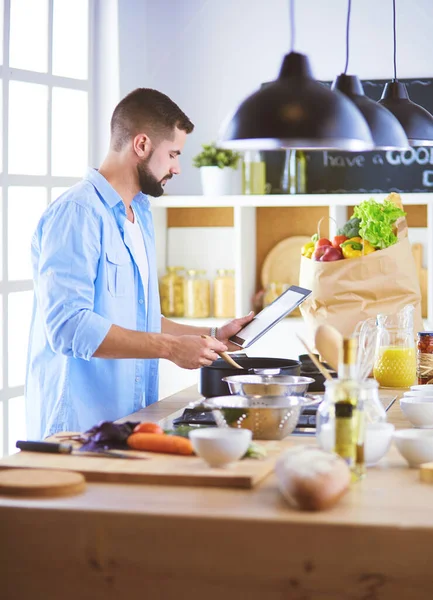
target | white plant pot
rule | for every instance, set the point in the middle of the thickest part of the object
(221, 182)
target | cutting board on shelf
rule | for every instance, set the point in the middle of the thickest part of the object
(162, 469)
(417, 251)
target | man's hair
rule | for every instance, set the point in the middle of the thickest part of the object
(146, 111)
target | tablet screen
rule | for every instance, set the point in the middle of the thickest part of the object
(270, 316)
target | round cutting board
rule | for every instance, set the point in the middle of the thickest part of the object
(40, 482)
(283, 262)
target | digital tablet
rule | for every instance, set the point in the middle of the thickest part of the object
(270, 316)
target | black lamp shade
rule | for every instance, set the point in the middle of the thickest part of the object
(415, 120)
(386, 130)
(295, 111)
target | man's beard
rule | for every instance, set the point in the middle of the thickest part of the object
(148, 183)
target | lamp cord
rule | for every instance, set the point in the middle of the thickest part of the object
(292, 25)
(349, 6)
(395, 39)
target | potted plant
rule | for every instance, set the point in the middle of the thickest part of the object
(218, 170)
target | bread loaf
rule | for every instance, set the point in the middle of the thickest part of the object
(310, 478)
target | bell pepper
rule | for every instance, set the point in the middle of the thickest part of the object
(356, 247)
(308, 249)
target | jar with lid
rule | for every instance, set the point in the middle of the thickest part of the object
(224, 294)
(196, 294)
(253, 173)
(171, 292)
(424, 357)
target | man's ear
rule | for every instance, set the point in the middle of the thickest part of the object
(142, 145)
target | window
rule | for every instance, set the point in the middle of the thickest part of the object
(44, 108)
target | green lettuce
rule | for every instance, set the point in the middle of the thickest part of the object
(377, 221)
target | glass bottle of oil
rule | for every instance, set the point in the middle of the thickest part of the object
(349, 413)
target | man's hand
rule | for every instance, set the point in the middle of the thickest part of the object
(194, 351)
(232, 328)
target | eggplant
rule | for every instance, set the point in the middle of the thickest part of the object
(210, 382)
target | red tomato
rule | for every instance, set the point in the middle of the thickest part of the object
(323, 242)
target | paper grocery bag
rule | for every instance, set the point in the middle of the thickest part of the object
(347, 291)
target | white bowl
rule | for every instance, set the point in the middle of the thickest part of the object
(219, 446)
(378, 437)
(425, 389)
(419, 411)
(418, 394)
(415, 445)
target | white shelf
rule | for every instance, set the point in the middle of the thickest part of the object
(278, 200)
(244, 229)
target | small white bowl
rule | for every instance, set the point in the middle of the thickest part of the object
(416, 394)
(415, 445)
(425, 389)
(378, 437)
(419, 411)
(219, 446)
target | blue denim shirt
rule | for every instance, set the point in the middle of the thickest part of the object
(85, 280)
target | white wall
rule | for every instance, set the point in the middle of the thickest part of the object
(208, 55)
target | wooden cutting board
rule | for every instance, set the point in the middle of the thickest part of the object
(163, 469)
(40, 482)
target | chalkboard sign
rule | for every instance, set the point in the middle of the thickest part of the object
(367, 172)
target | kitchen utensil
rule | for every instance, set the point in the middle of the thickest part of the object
(415, 445)
(163, 469)
(309, 369)
(63, 448)
(314, 360)
(391, 403)
(282, 263)
(40, 482)
(328, 341)
(220, 446)
(269, 418)
(256, 386)
(366, 333)
(211, 382)
(225, 356)
(417, 252)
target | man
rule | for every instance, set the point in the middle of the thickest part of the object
(97, 331)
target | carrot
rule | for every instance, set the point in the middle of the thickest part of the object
(156, 442)
(148, 428)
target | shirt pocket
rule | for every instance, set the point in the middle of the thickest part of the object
(118, 272)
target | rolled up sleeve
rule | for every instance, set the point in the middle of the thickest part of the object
(69, 244)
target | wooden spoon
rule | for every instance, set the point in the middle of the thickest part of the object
(329, 341)
(326, 374)
(225, 356)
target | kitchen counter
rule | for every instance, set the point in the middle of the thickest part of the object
(118, 541)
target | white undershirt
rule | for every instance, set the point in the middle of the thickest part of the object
(135, 242)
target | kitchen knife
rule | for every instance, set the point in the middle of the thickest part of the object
(63, 448)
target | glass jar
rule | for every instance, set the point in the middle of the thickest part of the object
(253, 173)
(294, 178)
(272, 291)
(224, 294)
(424, 357)
(196, 294)
(171, 292)
(369, 402)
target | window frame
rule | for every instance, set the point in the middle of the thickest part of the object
(7, 74)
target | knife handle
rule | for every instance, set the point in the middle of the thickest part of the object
(52, 447)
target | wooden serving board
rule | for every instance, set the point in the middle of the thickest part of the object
(163, 469)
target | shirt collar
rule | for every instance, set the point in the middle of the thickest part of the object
(111, 197)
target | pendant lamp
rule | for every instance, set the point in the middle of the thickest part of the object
(295, 111)
(416, 121)
(385, 129)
